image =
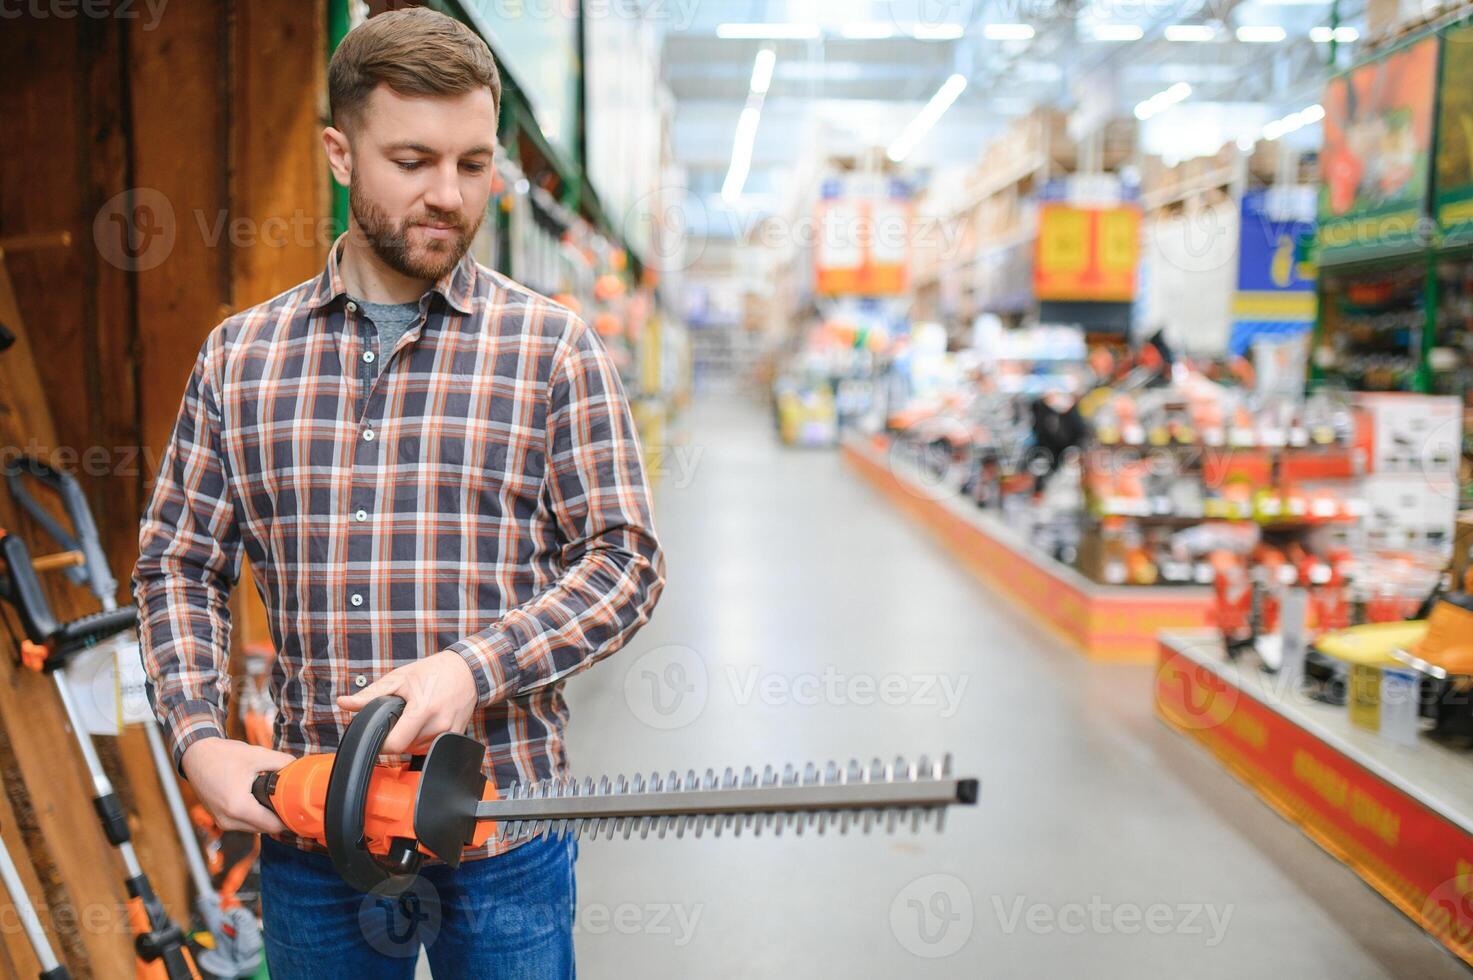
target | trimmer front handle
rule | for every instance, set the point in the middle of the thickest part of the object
(361, 809)
(347, 802)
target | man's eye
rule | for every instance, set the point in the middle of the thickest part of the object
(408, 164)
(475, 168)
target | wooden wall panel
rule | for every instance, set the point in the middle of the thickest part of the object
(178, 79)
(279, 183)
(66, 156)
(183, 157)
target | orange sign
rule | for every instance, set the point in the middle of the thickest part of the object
(1086, 254)
(863, 247)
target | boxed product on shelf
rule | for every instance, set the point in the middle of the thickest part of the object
(1405, 510)
(1414, 434)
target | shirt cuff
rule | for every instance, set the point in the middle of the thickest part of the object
(492, 658)
(188, 722)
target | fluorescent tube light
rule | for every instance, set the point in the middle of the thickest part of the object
(927, 117)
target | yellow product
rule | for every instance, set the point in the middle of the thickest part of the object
(1371, 645)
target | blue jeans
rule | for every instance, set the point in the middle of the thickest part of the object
(505, 916)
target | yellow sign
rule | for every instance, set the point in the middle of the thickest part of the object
(1086, 254)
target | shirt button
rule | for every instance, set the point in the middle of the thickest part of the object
(368, 435)
(368, 357)
(352, 307)
(356, 599)
(360, 681)
(360, 515)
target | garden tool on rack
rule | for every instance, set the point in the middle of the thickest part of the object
(233, 947)
(158, 941)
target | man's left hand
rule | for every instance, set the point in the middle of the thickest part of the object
(439, 695)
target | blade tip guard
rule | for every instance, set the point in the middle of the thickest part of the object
(451, 786)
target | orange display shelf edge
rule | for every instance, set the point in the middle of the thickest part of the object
(1111, 623)
(1416, 858)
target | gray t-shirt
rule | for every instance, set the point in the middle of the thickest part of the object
(391, 320)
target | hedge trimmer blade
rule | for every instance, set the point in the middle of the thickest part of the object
(861, 797)
(866, 798)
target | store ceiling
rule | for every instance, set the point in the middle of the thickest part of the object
(849, 75)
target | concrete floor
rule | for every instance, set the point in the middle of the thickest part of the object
(1104, 845)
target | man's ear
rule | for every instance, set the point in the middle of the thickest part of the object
(339, 155)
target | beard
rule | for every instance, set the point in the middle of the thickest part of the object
(426, 258)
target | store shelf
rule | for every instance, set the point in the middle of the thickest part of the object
(1221, 178)
(1030, 166)
(1401, 816)
(1103, 622)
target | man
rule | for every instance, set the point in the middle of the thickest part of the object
(438, 482)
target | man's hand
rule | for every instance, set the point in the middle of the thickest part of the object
(439, 695)
(221, 771)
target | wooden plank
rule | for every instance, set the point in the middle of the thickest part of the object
(279, 181)
(115, 493)
(279, 184)
(178, 79)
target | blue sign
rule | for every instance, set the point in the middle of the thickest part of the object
(1276, 287)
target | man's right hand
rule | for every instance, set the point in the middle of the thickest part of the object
(221, 771)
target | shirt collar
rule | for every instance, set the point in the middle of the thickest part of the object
(457, 287)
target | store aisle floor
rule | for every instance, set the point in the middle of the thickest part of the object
(1104, 845)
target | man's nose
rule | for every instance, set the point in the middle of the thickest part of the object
(444, 193)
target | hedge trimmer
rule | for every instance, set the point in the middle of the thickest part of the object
(379, 820)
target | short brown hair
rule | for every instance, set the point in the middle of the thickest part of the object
(415, 51)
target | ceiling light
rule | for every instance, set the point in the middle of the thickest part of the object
(1261, 34)
(1324, 35)
(762, 70)
(934, 32)
(927, 117)
(867, 31)
(741, 153)
(1008, 32)
(768, 32)
(1191, 32)
(1294, 121)
(1162, 101)
(1118, 32)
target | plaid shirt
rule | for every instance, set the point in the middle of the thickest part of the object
(482, 493)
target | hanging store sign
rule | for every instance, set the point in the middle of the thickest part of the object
(1377, 158)
(864, 237)
(1086, 254)
(1454, 203)
(1276, 287)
